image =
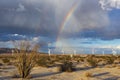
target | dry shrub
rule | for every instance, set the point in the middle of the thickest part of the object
(14, 75)
(114, 65)
(26, 56)
(1, 64)
(88, 74)
(108, 66)
(118, 66)
(66, 67)
(43, 61)
(110, 60)
(92, 61)
(117, 61)
(5, 60)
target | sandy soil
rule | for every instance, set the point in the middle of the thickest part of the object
(41, 73)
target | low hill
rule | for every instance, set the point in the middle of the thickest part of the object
(6, 50)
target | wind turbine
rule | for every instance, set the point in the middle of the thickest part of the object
(81, 51)
(12, 51)
(114, 52)
(74, 52)
(63, 52)
(103, 53)
(93, 51)
(49, 52)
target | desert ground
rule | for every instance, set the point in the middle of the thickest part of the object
(82, 71)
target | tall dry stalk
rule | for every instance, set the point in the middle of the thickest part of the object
(26, 55)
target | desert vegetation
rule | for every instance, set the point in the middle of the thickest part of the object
(26, 58)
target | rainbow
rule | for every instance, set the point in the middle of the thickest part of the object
(66, 19)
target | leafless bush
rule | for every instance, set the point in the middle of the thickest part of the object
(25, 55)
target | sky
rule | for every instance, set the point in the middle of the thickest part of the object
(61, 23)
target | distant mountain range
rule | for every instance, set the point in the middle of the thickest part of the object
(10, 50)
(6, 50)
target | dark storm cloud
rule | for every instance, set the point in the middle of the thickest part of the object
(107, 33)
(44, 17)
(25, 19)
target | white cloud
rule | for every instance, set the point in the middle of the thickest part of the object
(15, 34)
(36, 39)
(11, 44)
(109, 4)
(20, 8)
(18, 35)
(6, 44)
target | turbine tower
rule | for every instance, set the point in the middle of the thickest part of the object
(74, 52)
(82, 51)
(12, 51)
(49, 50)
(63, 52)
(103, 53)
(93, 51)
(114, 52)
